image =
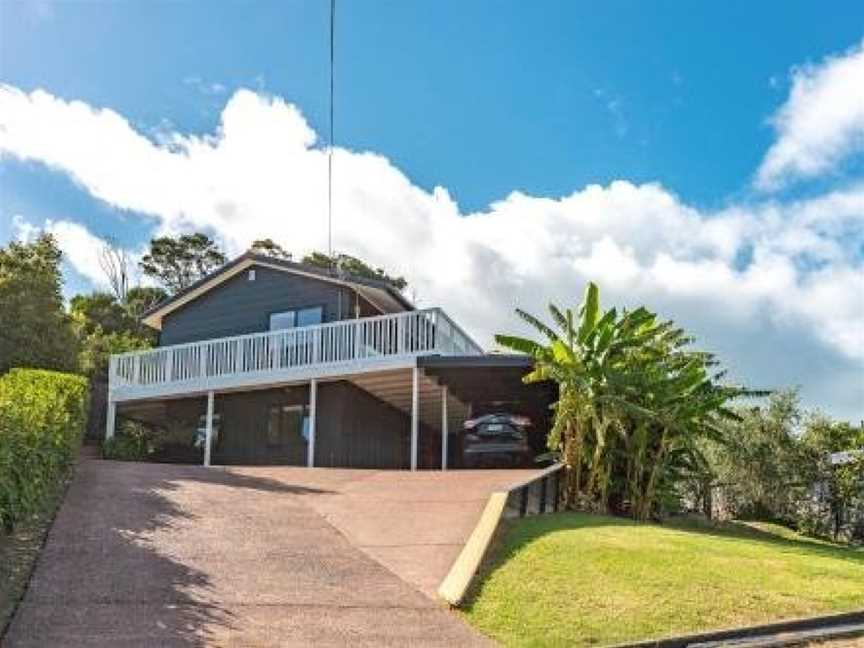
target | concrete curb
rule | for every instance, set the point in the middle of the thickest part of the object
(455, 585)
(792, 632)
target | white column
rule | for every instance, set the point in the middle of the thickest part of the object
(313, 410)
(444, 428)
(415, 415)
(110, 419)
(208, 437)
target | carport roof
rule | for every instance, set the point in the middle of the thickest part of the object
(491, 377)
(489, 360)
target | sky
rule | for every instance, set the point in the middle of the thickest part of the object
(706, 159)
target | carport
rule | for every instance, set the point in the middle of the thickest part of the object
(492, 378)
(432, 398)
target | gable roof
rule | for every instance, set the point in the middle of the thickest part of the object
(381, 294)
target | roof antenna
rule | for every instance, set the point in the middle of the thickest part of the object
(330, 148)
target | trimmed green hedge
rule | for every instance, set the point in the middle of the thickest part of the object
(42, 419)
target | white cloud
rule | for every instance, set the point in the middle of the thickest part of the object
(752, 278)
(821, 123)
(80, 247)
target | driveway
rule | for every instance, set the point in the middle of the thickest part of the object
(162, 555)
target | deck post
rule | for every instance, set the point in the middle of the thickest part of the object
(208, 437)
(444, 430)
(313, 421)
(110, 419)
(415, 414)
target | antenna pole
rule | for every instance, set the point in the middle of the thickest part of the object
(330, 148)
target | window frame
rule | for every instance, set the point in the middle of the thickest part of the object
(296, 311)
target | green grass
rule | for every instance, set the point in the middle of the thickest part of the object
(574, 579)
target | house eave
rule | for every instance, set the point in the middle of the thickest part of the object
(364, 288)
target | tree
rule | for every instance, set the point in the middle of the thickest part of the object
(179, 262)
(354, 266)
(141, 299)
(105, 326)
(34, 329)
(761, 465)
(115, 263)
(102, 311)
(268, 247)
(633, 403)
(836, 449)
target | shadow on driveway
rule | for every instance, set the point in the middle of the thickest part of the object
(101, 574)
(166, 555)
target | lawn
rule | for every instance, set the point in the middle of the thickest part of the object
(574, 579)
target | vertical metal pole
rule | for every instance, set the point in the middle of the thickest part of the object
(415, 415)
(444, 428)
(110, 418)
(313, 421)
(208, 437)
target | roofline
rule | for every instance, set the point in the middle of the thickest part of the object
(487, 361)
(153, 316)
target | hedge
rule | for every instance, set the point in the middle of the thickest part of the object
(42, 418)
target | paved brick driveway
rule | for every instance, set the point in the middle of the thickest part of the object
(160, 555)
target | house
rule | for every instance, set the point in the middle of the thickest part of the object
(270, 361)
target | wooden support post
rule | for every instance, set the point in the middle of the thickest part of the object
(208, 436)
(444, 428)
(542, 504)
(415, 415)
(556, 495)
(313, 422)
(110, 419)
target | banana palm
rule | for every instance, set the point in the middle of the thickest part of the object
(633, 402)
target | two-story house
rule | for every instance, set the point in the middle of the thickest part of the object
(270, 361)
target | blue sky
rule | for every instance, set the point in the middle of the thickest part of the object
(480, 99)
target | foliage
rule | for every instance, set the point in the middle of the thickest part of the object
(141, 299)
(268, 247)
(634, 403)
(131, 443)
(97, 349)
(353, 265)
(101, 311)
(761, 466)
(777, 465)
(106, 326)
(575, 580)
(179, 262)
(42, 419)
(34, 329)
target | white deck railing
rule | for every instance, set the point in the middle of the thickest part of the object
(344, 343)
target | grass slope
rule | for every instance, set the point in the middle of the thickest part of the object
(574, 579)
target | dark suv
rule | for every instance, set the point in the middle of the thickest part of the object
(496, 439)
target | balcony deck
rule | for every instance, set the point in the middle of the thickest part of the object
(292, 355)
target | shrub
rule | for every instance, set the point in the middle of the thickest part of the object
(42, 419)
(132, 443)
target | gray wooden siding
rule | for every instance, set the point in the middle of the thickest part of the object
(355, 429)
(240, 306)
(244, 421)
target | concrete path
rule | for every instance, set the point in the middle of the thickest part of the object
(160, 555)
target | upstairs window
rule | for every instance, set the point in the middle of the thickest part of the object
(296, 318)
(310, 316)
